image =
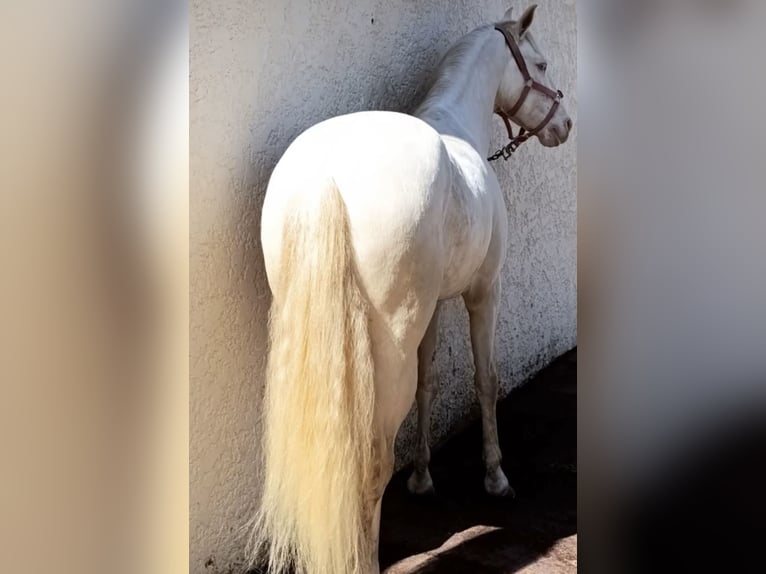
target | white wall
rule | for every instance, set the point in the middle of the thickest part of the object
(262, 72)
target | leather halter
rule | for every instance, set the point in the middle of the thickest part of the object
(529, 85)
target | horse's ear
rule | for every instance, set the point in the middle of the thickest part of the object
(526, 20)
(508, 16)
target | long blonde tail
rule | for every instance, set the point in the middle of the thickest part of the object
(319, 404)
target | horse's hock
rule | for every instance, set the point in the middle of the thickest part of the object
(261, 73)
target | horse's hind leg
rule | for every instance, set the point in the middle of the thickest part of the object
(395, 342)
(420, 480)
(482, 303)
(385, 468)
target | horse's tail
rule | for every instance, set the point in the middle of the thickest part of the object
(319, 403)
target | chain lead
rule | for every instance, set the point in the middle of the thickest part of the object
(506, 151)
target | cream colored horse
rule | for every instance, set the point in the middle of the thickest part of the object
(370, 219)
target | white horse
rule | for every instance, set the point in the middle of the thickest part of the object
(370, 220)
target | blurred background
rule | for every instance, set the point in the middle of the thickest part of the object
(94, 305)
(94, 247)
(672, 276)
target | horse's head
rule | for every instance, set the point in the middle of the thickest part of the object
(527, 96)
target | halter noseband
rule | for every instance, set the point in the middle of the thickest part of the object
(529, 85)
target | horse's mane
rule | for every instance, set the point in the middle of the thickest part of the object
(460, 53)
(454, 60)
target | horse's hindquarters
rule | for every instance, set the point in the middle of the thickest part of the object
(392, 173)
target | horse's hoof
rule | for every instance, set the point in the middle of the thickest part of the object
(421, 484)
(497, 485)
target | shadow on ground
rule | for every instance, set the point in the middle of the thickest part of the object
(463, 530)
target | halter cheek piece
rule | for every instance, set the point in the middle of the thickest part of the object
(529, 85)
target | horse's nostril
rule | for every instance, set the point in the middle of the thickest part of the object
(568, 124)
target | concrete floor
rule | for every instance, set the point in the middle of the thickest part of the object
(461, 529)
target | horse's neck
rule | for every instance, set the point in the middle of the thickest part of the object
(461, 101)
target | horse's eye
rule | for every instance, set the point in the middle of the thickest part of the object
(542, 67)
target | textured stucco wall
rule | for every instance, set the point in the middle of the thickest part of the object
(262, 72)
